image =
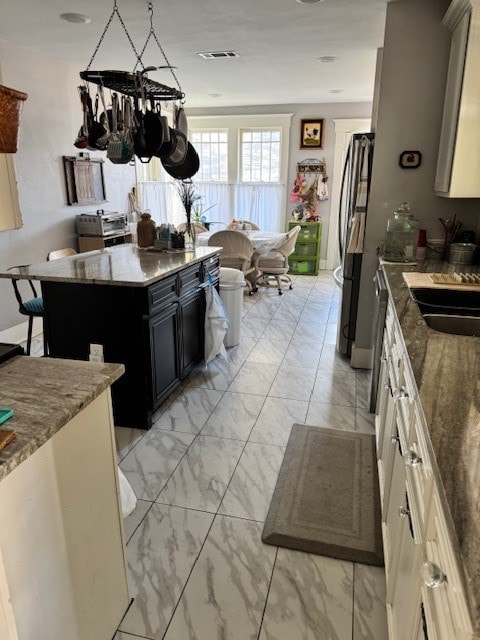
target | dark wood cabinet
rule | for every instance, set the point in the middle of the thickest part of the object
(192, 314)
(163, 346)
(156, 331)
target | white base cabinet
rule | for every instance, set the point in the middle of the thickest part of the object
(425, 593)
(62, 553)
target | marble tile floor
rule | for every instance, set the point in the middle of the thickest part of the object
(205, 473)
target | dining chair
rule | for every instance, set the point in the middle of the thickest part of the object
(238, 252)
(61, 253)
(31, 307)
(275, 263)
(234, 225)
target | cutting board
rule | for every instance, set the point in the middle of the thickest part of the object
(434, 281)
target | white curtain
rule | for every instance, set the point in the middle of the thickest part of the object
(220, 195)
(261, 204)
(161, 199)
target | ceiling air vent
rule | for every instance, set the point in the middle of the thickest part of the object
(219, 54)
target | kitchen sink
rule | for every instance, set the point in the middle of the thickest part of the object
(447, 302)
(458, 325)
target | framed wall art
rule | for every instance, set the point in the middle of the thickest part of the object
(311, 134)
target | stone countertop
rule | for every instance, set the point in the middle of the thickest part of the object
(45, 393)
(122, 265)
(447, 372)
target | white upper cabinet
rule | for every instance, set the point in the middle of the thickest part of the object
(458, 167)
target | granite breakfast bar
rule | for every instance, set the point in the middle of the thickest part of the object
(143, 309)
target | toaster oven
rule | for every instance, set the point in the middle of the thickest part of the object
(101, 224)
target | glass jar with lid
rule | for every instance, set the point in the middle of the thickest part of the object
(402, 235)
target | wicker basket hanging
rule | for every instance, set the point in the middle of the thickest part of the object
(11, 102)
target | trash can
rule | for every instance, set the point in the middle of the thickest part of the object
(232, 282)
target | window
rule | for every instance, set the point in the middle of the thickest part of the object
(243, 171)
(212, 148)
(260, 155)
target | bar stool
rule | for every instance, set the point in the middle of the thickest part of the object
(32, 308)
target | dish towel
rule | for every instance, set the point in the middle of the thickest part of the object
(357, 233)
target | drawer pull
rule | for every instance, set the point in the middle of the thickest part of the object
(403, 512)
(401, 394)
(412, 459)
(432, 575)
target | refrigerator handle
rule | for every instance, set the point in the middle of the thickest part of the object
(342, 190)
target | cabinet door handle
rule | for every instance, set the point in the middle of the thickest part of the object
(432, 575)
(399, 363)
(412, 459)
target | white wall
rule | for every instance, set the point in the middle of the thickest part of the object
(50, 121)
(415, 61)
(328, 111)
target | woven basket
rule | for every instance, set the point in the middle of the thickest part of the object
(11, 102)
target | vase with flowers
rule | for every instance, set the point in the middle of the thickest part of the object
(189, 196)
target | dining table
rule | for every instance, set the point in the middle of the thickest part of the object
(263, 241)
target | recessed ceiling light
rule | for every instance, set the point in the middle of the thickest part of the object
(76, 18)
(327, 59)
(335, 90)
(309, 1)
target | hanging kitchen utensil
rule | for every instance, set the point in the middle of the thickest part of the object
(102, 142)
(127, 140)
(96, 130)
(140, 142)
(114, 148)
(81, 141)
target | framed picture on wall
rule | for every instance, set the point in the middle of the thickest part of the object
(311, 134)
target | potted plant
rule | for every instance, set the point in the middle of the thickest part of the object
(189, 196)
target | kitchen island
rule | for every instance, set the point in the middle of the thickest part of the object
(428, 439)
(62, 551)
(143, 309)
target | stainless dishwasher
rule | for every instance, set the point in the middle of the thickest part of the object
(380, 311)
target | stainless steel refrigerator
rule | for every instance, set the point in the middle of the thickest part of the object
(352, 215)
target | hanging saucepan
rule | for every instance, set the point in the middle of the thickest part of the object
(186, 169)
(95, 129)
(153, 130)
(147, 137)
(168, 143)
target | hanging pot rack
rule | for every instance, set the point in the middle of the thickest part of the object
(136, 84)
